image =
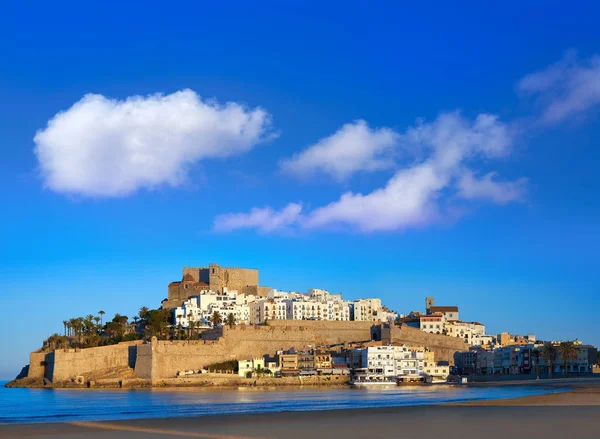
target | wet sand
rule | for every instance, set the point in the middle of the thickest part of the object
(574, 413)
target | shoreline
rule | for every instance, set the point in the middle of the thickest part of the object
(572, 411)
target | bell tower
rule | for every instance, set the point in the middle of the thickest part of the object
(428, 304)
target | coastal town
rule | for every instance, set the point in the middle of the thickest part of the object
(220, 323)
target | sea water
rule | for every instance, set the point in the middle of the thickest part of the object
(63, 405)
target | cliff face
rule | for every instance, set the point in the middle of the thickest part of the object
(163, 359)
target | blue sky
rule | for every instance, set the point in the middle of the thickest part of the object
(103, 208)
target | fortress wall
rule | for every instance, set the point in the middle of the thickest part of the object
(37, 361)
(63, 365)
(443, 345)
(238, 278)
(162, 359)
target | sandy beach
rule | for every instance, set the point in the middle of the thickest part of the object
(574, 413)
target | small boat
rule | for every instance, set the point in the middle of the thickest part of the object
(372, 381)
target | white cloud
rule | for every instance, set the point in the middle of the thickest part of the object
(103, 147)
(413, 196)
(565, 89)
(498, 191)
(264, 219)
(354, 147)
(407, 200)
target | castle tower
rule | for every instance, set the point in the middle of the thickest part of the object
(215, 278)
(428, 304)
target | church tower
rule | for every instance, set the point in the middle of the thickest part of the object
(428, 304)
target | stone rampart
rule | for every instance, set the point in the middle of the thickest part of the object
(37, 364)
(162, 359)
(63, 365)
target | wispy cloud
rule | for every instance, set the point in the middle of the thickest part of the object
(501, 192)
(565, 89)
(412, 197)
(103, 147)
(263, 219)
(354, 147)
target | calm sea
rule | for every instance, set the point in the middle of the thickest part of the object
(61, 405)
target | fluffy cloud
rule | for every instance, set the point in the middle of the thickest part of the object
(354, 147)
(103, 147)
(501, 192)
(407, 200)
(264, 219)
(412, 197)
(565, 89)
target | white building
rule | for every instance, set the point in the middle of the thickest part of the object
(388, 363)
(366, 310)
(247, 368)
(199, 309)
(379, 361)
(471, 332)
(268, 309)
(432, 323)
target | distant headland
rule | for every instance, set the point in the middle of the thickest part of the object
(219, 327)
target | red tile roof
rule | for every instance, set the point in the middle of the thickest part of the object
(443, 309)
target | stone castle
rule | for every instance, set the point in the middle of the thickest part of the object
(194, 280)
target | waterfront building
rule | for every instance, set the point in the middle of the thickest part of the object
(434, 371)
(322, 360)
(288, 362)
(306, 363)
(390, 363)
(247, 368)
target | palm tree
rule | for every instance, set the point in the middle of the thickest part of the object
(549, 354)
(230, 320)
(65, 324)
(568, 353)
(216, 319)
(143, 312)
(535, 354)
(101, 314)
(72, 324)
(97, 322)
(189, 318)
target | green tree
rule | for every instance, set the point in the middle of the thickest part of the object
(568, 353)
(101, 317)
(216, 319)
(190, 324)
(535, 354)
(549, 354)
(65, 324)
(230, 320)
(97, 322)
(72, 325)
(143, 312)
(156, 322)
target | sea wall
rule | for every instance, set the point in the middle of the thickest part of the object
(63, 365)
(444, 346)
(217, 380)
